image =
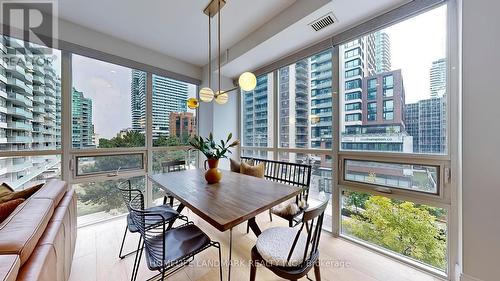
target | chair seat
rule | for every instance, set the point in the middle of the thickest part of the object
(288, 209)
(179, 243)
(166, 211)
(274, 245)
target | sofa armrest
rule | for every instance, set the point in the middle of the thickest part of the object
(9, 267)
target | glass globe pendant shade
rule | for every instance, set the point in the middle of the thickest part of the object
(247, 81)
(192, 103)
(206, 94)
(221, 97)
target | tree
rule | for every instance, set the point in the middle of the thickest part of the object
(402, 227)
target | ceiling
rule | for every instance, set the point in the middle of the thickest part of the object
(179, 28)
(175, 28)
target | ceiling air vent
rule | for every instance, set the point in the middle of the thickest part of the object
(323, 22)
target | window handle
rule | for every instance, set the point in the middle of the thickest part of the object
(383, 190)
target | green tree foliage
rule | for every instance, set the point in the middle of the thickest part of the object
(402, 227)
(104, 196)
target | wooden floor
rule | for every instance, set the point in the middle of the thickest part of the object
(96, 257)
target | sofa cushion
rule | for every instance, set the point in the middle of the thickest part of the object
(254, 171)
(20, 232)
(6, 208)
(41, 265)
(53, 189)
(5, 189)
(25, 193)
(9, 267)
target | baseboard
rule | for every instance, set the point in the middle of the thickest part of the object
(465, 277)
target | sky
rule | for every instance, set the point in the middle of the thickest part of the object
(415, 44)
(108, 85)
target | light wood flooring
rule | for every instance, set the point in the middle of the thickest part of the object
(96, 257)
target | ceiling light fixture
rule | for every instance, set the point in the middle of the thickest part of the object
(247, 80)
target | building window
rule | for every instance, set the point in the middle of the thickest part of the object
(353, 117)
(352, 53)
(372, 111)
(353, 96)
(352, 73)
(388, 110)
(388, 81)
(353, 84)
(353, 106)
(353, 63)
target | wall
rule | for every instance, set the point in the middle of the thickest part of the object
(219, 119)
(93, 39)
(481, 140)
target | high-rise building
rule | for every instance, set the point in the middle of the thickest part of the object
(82, 127)
(321, 100)
(376, 120)
(438, 78)
(294, 105)
(182, 124)
(382, 53)
(30, 115)
(257, 113)
(426, 122)
(169, 95)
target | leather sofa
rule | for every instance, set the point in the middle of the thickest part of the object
(37, 241)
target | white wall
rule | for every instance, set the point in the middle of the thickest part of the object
(481, 140)
(219, 119)
(93, 39)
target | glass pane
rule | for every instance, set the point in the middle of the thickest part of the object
(20, 172)
(404, 176)
(165, 161)
(30, 96)
(321, 179)
(102, 200)
(257, 113)
(86, 165)
(173, 122)
(406, 82)
(416, 231)
(254, 153)
(96, 86)
(305, 103)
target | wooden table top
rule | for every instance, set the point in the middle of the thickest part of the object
(236, 199)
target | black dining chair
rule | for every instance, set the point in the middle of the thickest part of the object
(295, 174)
(168, 250)
(168, 167)
(128, 193)
(289, 253)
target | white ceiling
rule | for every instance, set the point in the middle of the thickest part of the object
(179, 28)
(175, 28)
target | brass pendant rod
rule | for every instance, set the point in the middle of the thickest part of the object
(209, 52)
(218, 35)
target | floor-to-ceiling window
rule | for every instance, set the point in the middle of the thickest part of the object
(377, 106)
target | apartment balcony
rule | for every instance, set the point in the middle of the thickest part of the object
(38, 139)
(39, 99)
(322, 105)
(321, 96)
(19, 112)
(38, 119)
(16, 70)
(18, 167)
(301, 100)
(50, 100)
(50, 108)
(21, 126)
(38, 79)
(18, 99)
(49, 83)
(39, 109)
(37, 89)
(19, 139)
(18, 85)
(321, 68)
(322, 85)
(49, 91)
(37, 129)
(322, 124)
(301, 84)
(322, 58)
(322, 75)
(38, 70)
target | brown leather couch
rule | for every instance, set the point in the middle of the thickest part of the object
(37, 240)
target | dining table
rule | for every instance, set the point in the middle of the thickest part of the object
(236, 199)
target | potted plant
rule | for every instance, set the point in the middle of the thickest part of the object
(213, 151)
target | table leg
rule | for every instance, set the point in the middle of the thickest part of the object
(255, 228)
(179, 210)
(230, 252)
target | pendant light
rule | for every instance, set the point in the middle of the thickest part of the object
(247, 80)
